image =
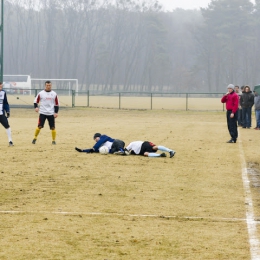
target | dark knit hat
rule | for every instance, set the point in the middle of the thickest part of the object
(96, 135)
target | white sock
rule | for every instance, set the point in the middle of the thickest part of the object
(164, 149)
(154, 155)
(9, 134)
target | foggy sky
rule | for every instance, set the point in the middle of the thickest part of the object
(185, 4)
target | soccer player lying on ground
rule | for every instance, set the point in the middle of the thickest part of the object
(115, 146)
(149, 149)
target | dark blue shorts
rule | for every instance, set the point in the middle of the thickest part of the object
(4, 121)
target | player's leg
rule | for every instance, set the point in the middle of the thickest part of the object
(154, 154)
(118, 147)
(5, 124)
(41, 122)
(149, 149)
(51, 121)
(165, 149)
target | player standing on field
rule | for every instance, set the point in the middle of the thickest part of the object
(49, 108)
(4, 108)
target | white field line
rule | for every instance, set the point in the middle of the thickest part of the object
(250, 218)
(71, 213)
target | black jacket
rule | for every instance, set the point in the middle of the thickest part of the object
(247, 99)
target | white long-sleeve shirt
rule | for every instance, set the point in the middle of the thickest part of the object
(47, 100)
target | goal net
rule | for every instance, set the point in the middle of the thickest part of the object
(17, 84)
(61, 86)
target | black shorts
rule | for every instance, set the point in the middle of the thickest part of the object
(117, 144)
(51, 121)
(147, 147)
(4, 121)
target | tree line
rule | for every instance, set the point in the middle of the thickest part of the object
(133, 45)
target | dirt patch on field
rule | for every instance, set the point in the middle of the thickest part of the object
(57, 203)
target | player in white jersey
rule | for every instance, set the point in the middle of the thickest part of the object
(149, 149)
(4, 108)
(49, 108)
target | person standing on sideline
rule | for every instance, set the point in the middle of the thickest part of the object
(231, 99)
(257, 110)
(239, 115)
(5, 109)
(246, 102)
(49, 108)
(148, 149)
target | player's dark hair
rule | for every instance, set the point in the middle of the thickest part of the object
(96, 135)
(47, 82)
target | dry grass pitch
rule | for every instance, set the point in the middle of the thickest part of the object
(57, 203)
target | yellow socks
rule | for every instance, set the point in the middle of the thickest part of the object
(37, 131)
(53, 134)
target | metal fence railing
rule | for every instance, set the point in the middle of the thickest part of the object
(146, 100)
(125, 100)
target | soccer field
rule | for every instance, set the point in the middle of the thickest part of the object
(56, 203)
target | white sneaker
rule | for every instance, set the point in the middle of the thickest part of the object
(119, 153)
(127, 152)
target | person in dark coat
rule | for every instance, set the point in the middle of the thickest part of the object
(247, 102)
(257, 110)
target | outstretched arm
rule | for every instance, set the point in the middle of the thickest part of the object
(84, 150)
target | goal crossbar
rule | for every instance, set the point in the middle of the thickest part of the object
(76, 80)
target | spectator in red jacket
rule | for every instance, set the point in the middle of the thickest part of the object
(231, 99)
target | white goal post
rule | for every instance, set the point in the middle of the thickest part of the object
(57, 83)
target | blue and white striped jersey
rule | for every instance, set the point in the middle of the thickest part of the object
(4, 106)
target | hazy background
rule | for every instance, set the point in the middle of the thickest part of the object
(134, 45)
(169, 5)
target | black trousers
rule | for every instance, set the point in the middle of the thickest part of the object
(232, 124)
(117, 144)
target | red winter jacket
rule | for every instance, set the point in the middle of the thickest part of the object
(231, 101)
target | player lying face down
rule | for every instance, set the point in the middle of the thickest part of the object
(115, 146)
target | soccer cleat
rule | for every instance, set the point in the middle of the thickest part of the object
(11, 143)
(33, 141)
(78, 150)
(127, 152)
(172, 153)
(231, 141)
(53, 142)
(119, 153)
(163, 155)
